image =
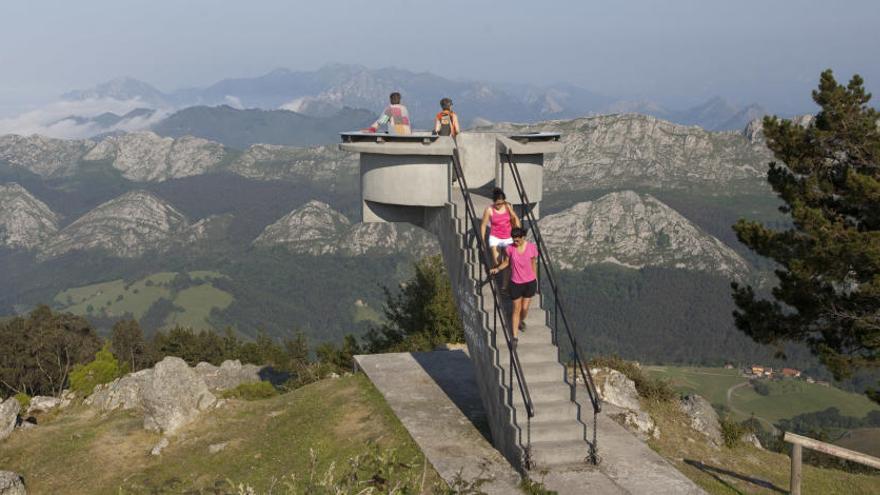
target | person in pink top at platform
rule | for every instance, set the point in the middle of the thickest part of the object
(500, 219)
(522, 257)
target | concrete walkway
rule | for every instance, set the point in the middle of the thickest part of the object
(436, 398)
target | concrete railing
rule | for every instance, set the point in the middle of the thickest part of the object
(798, 442)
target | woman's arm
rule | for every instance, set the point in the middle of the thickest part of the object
(513, 216)
(484, 223)
(500, 267)
(456, 128)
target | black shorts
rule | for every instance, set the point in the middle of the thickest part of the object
(527, 289)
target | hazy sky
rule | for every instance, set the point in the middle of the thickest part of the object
(674, 52)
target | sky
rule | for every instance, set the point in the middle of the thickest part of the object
(677, 53)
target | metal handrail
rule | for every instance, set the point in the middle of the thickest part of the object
(499, 314)
(546, 262)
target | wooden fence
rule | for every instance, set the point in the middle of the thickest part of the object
(798, 442)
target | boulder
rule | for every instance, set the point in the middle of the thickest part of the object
(123, 393)
(174, 396)
(615, 388)
(159, 447)
(67, 397)
(9, 410)
(11, 484)
(702, 416)
(228, 375)
(752, 439)
(43, 403)
(640, 423)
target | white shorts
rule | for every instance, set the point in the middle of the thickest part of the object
(501, 243)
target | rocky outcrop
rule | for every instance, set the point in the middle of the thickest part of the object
(25, 221)
(9, 410)
(639, 151)
(46, 157)
(122, 393)
(42, 404)
(317, 229)
(702, 416)
(315, 164)
(228, 375)
(126, 227)
(174, 396)
(615, 389)
(148, 157)
(634, 230)
(11, 484)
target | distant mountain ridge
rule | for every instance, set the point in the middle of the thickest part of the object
(326, 91)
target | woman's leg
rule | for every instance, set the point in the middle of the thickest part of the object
(517, 307)
(524, 312)
(495, 256)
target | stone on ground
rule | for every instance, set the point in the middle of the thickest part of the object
(228, 375)
(123, 393)
(42, 404)
(174, 396)
(9, 410)
(703, 417)
(11, 484)
(615, 388)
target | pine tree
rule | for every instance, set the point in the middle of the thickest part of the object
(828, 177)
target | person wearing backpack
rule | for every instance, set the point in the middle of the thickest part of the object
(395, 115)
(446, 122)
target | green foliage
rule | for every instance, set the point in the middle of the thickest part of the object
(421, 315)
(532, 487)
(829, 260)
(38, 352)
(251, 391)
(127, 342)
(24, 400)
(647, 386)
(103, 369)
(760, 387)
(732, 431)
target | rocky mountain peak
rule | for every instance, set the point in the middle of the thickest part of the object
(25, 221)
(127, 227)
(634, 230)
(148, 157)
(317, 229)
(44, 156)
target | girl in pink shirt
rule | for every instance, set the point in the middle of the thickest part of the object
(522, 256)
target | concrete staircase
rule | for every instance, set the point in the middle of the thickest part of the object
(556, 436)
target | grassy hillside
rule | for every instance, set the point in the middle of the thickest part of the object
(79, 452)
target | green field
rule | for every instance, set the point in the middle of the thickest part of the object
(865, 440)
(787, 398)
(116, 298)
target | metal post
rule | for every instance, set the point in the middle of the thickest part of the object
(795, 469)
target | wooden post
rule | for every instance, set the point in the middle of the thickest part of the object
(795, 485)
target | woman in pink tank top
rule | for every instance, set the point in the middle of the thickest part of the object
(500, 218)
(522, 257)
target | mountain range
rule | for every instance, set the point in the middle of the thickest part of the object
(330, 89)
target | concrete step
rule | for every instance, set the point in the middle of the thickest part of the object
(556, 410)
(535, 334)
(539, 372)
(556, 431)
(534, 352)
(555, 454)
(543, 392)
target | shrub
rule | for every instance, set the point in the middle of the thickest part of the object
(104, 369)
(760, 387)
(251, 391)
(23, 399)
(732, 432)
(647, 386)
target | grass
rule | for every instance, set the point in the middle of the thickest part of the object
(78, 452)
(116, 298)
(865, 440)
(366, 313)
(197, 303)
(743, 469)
(787, 398)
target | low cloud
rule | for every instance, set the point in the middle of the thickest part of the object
(52, 119)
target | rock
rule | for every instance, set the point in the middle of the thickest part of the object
(640, 423)
(159, 447)
(752, 439)
(333, 374)
(25, 221)
(228, 375)
(174, 396)
(42, 403)
(44, 156)
(217, 447)
(702, 416)
(67, 397)
(9, 410)
(615, 388)
(123, 393)
(11, 484)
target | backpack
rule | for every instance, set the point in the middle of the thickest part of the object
(445, 118)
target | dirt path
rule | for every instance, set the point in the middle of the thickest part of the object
(730, 405)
